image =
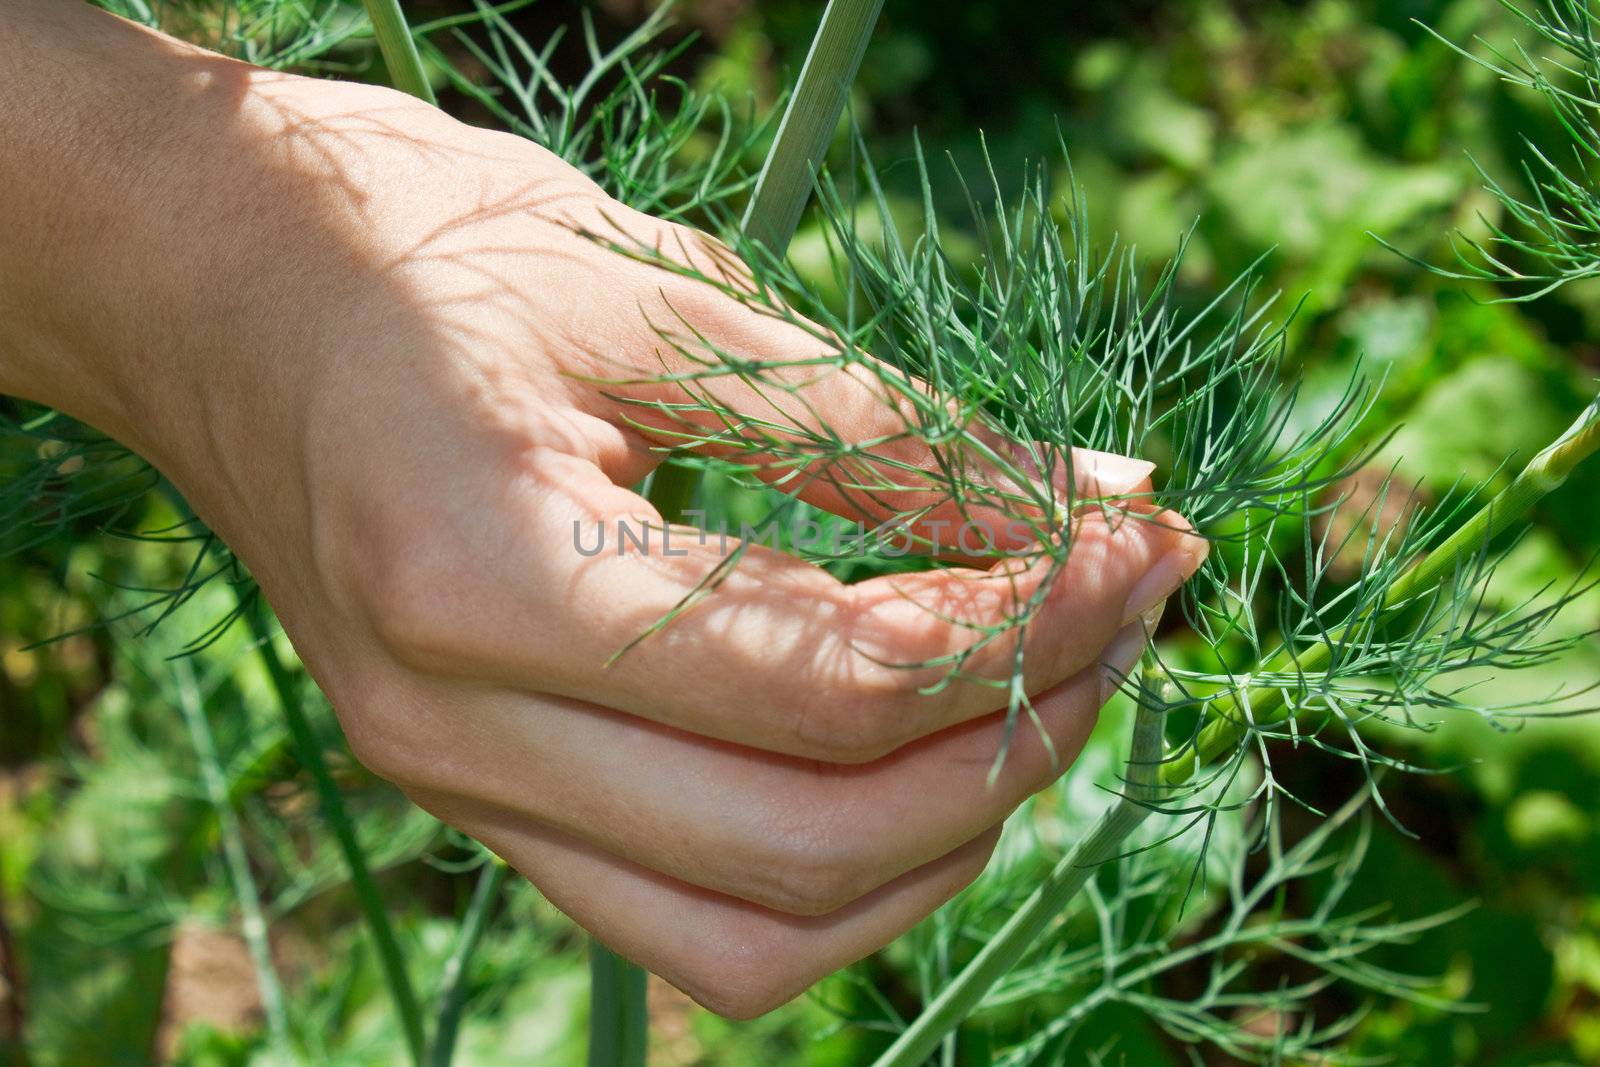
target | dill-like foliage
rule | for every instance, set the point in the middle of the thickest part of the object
(269, 33)
(1552, 230)
(626, 123)
(1053, 342)
(999, 373)
(1295, 654)
(1049, 342)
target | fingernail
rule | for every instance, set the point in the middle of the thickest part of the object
(1119, 659)
(1158, 583)
(1110, 474)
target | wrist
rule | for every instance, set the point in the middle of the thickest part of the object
(181, 228)
(118, 146)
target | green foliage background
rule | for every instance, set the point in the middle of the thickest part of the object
(1289, 128)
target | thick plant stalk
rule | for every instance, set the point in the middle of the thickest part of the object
(333, 810)
(809, 121)
(253, 923)
(399, 48)
(672, 489)
(958, 999)
(790, 169)
(1545, 473)
(1151, 777)
(619, 1020)
(14, 1018)
(453, 998)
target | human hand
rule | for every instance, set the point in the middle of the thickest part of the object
(399, 432)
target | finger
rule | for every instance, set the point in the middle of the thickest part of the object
(734, 958)
(775, 654)
(797, 836)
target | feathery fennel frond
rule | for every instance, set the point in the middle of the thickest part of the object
(626, 123)
(1302, 658)
(61, 478)
(1293, 954)
(279, 34)
(1552, 233)
(1055, 342)
(1045, 343)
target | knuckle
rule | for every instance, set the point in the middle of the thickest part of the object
(699, 252)
(864, 717)
(381, 734)
(379, 752)
(973, 866)
(405, 587)
(741, 976)
(816, 868)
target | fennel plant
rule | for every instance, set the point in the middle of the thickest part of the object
(1060, 343)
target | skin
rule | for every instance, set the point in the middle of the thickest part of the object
(354, 333)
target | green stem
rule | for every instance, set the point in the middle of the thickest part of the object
(619, 1021)
(1544, 473)
(338, 819)
(399, 49)
(253, 923)
(672, 488)
(790, 170)
(14, 1019)
(808, 122)
(1153, 777)
(453, 998)
(1001, 953)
